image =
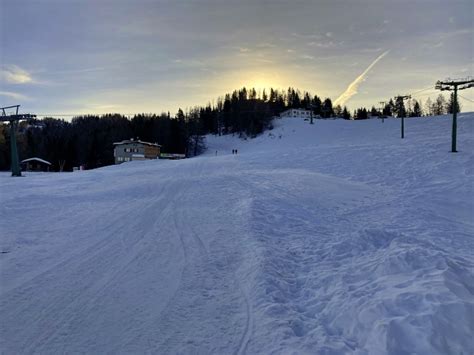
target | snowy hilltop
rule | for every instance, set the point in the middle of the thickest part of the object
(332, 238)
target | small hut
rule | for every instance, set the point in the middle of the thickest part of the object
(35, 164)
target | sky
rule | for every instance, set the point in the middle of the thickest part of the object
(131, 56)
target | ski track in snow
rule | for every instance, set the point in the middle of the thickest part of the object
(337, 238)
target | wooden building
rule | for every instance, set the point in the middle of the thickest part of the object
(132, 149)
(35, 164)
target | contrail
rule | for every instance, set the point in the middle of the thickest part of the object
(352, 88)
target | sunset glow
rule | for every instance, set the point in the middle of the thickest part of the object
(96, 56)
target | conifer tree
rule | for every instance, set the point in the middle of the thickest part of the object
(439, 106)
(450, 105)
(345, 114)
(416, 110)
(429, 107)
(374, 112)
(317, 105)
(327, 110)
(400, 107)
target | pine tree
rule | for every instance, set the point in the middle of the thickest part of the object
(252, 94)
(409, 108)
(306, 100)
(440, 105)
(361, 114)
(317, 105)
(416, 110)
(374, 112)
(388, 110)
(345, 114)
(450, 105)
(180, 115)
(400, 107)
(327, 110)
(429, 107)
(338, 110)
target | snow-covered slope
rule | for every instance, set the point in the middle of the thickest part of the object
(333, 238)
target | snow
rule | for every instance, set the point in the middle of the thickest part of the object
(332, 238)
(36, 159)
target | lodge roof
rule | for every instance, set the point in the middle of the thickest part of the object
(39, 160)
(132, 141)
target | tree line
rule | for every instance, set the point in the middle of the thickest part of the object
(87, 140)
(411, 108)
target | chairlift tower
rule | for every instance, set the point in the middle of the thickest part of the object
(402, 127)
(311, 108)
(14, 119)
(382, 106)
(454, 85)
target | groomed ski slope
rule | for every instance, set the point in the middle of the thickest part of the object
(335, 238)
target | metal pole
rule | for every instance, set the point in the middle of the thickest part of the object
(14, 119)
(403, 98)
(454, 130)
(403, 127)
(14, 151)
(454, 85)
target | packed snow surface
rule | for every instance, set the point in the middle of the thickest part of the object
(332, 238)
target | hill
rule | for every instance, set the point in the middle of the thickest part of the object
(337, 237)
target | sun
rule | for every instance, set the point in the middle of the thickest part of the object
(263, 80)
(260, 84)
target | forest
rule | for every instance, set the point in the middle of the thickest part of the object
(87, 140)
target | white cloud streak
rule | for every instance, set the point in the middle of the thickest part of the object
(14, 95)
(13, 74)
(352, 88)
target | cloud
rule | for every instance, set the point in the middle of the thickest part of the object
(460, 32)
(307, 36)
(433, 45)
(79, 71)
(329, 44)
(191, 63)
(266, 45)
(352, 88)
(13, 74)
(14, 95)
(263, 60)
(370, 50)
